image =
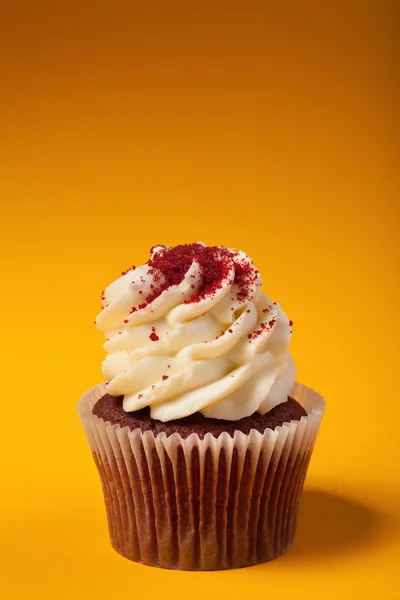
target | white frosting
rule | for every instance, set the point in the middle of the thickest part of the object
(225, 355)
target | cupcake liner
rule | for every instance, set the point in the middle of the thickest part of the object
(202, 504)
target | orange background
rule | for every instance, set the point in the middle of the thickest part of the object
(268, 126)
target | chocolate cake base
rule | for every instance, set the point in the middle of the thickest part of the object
(110, 410)
(201, 502)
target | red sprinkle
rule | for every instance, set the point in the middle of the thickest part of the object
(153, 336)
(164, 377)
(140, 396)
(263, 327)
(126, 321)
(291, 323)
(230, 330)
(132, 268)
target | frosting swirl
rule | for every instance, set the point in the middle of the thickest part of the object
(190, 331)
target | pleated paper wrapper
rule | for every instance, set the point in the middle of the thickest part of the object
(202, 504)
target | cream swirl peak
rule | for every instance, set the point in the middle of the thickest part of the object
(190, 331)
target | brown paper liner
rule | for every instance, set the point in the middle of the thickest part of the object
(193, 504)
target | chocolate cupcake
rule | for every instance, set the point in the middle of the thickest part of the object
(200, 435)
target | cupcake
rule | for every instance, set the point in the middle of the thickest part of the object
(200, 434)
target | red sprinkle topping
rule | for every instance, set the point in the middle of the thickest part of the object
(245, 277)
(140, 396)
(230, 330)
(126, 321)
(164, 377)
(291, 323)
(215, 263)
(132, 268)
(172, 264)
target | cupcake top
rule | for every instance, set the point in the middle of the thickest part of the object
(190, 331)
